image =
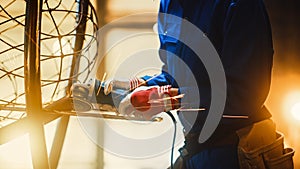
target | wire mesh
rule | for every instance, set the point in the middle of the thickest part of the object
(59, 33)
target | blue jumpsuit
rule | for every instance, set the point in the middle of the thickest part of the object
(241, 34)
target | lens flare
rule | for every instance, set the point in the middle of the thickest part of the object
(296, 111)
(290, 105)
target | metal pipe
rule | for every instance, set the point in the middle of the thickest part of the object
(32, 57)
(79, 41)
(33, 83)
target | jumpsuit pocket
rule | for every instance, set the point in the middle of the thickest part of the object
(266, 156)
(255, 159)
(262, 147)
(284, 161)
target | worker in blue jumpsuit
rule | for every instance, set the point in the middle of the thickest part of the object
(240, 32)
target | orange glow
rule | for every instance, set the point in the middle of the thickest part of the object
(296, 111)
(291, 106)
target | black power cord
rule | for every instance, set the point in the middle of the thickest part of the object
(174, 137)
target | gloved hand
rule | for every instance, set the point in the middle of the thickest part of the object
(130, 84)
(146, 102)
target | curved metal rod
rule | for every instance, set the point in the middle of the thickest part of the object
(32, 57)
(80, 31)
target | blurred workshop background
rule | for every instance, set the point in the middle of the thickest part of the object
(134, 20)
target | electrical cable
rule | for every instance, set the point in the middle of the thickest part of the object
(174, 137)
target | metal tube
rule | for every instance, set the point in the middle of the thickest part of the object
(58, 141)
(33, 83)
(79, 40)
(32, 57)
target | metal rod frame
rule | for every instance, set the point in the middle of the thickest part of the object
(36, 117)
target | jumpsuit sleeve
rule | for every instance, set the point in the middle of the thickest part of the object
(247, 56)
(168, 24)
(161, 79)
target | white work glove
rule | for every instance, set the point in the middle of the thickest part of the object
(130, 84)
(146, 102)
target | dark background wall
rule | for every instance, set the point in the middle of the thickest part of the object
(285, 21)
